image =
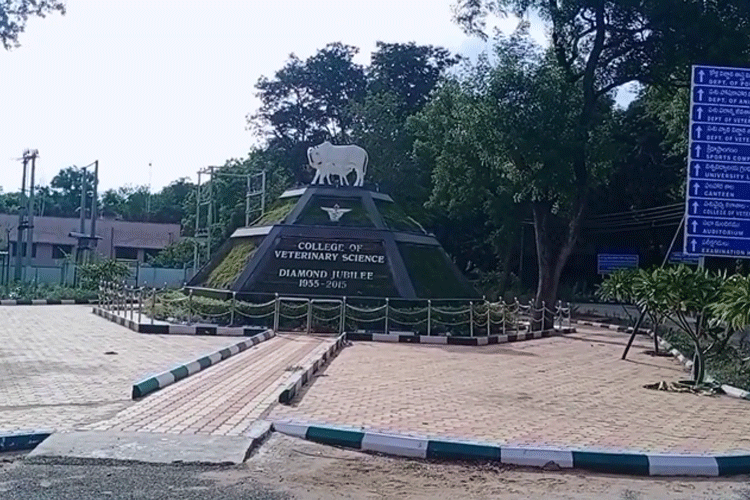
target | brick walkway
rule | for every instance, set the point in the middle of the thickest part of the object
(571, 391)
(54, 372)
(225, 399)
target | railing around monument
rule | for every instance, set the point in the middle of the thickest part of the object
(454, 317)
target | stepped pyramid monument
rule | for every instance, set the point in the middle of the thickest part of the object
(334, 239)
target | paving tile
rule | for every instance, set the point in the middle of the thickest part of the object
(563, 391)
(54, 372)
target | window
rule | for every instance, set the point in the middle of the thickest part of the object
(61, 251)
(23, 249)
(126, 253)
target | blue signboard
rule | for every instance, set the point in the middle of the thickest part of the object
(683, 258)
(609, 262)
(717, 204)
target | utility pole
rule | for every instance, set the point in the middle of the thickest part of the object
(94, 201)
(30, 214)
(21, 218)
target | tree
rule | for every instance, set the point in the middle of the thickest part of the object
(401, 78)
(408, 71)
(15, 13)
(169, 204)
(308, 100)
(599, 46)
(478, 220)
(63, 198)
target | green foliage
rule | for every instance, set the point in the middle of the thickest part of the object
(690, 300)
(32, 291)
(618, 287)
(733, 306)
(15, 13)
(309, 100)
(277, 212)
(395, 218)
(108, 270)
(178, 254)
(230, 268)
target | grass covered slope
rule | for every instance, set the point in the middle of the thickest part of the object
(229, 269)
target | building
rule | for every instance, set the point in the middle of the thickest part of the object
(135, 241)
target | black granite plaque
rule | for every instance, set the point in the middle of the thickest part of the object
(316, 266)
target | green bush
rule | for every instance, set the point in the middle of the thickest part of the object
(31, 291)
(692, 301)
(108, 270)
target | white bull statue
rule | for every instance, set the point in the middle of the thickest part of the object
(328, 160)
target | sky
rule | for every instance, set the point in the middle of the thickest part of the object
(169, 83)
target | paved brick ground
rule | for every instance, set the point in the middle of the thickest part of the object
(564, 391)
(224, 399)
(54, 372)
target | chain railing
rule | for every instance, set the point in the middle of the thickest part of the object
(472, 318)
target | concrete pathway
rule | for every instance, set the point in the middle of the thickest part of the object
(225, 399)
(570, 392)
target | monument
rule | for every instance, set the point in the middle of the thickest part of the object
(334, 238)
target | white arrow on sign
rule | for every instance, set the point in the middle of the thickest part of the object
(695, 207)
(698, 131)
(700, 76)
(697, 169)
(696, 187)
(699, 111)
(695, 226)
(700, 94)
(698, 151)
(692, 244)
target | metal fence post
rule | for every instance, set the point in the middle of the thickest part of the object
(387, 307)
(543, 319)
(153, 305)
(234, 304)
(504, 313)
(190, 307)
(309, 315)
(429, 317)
(489, 327)
(518, 315)
(140, 304)
(568, 316)
(342, 326)
(471, 319)
(276, 310)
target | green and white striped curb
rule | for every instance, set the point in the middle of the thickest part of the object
(180, 372)
(614, 462)
(301, 378)
(729, 390)
(22, 440)
(45, 302)
(608, 326)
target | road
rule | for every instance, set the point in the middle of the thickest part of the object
(289, 468)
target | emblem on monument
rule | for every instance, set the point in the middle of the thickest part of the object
(336, 212)
(339, 161)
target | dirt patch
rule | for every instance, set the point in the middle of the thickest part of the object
(311, 471)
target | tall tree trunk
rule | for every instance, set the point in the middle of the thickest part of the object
(553, 248)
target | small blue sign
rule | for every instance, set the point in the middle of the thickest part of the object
(606, 263)
(683, 258)
(717, 204)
